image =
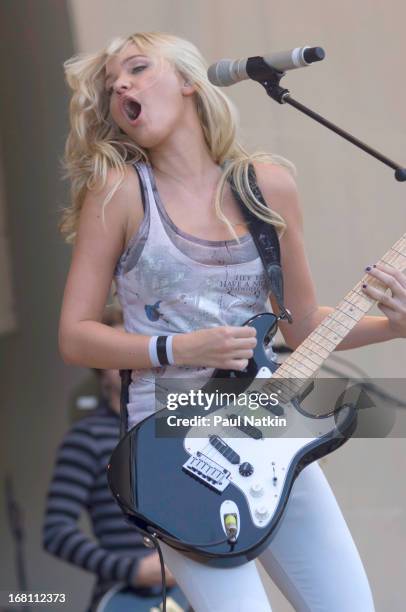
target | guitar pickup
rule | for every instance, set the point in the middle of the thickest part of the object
(224, 449)
(249, 430)
(207, 471)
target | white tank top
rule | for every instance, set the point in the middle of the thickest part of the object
(169, 282)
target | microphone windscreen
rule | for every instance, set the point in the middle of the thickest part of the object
(313, 54)
(219, 73)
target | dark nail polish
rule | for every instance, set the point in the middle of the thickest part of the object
(363, 286)
(368, 268)
(374, 266)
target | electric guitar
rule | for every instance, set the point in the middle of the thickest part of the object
(219, 497)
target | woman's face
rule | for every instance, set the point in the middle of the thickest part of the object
(147, 95)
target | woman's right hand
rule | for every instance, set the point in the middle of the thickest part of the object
(226, 347)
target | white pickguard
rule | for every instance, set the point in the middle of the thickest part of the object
(270, 457)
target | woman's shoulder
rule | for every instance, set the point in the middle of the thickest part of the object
(120, 185)
(275, 178)
(278, 186)
(118, 198)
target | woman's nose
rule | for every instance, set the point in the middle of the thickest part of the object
(122, 85)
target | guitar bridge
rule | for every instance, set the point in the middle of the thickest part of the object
(207, 471)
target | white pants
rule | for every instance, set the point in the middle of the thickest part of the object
(312, 559)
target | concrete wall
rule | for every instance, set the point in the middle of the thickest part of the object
(353, 209)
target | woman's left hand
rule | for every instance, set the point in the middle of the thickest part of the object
(393, 306)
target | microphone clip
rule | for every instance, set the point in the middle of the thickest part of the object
(258, 70)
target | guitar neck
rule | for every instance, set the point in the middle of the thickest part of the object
(307, 359)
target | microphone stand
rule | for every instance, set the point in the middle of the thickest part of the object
(17, 530)
(260, 71)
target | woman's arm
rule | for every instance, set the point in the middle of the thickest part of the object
(280, 192)
(83, 340)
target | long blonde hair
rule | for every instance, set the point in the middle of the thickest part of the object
(95, 143)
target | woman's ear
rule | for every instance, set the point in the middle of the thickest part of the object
(187, 87)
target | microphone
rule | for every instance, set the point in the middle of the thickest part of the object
(227, 72)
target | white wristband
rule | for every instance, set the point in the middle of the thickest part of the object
(153, 355)
(169, 350)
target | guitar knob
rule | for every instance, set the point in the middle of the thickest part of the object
(246, 469)
(257, 490)
(261, 512)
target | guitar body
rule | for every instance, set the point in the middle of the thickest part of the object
(163, 482)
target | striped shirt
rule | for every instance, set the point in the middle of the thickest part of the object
(79, 483)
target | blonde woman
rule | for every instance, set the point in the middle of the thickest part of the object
(151, 146)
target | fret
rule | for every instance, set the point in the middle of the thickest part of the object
(364, 303)
(282, 371)
(402, 255)
(327, 339)
(394, 263)
(344, 318)
(291, 383)
(323, 346)
(349, 307)
(400, 244)
(319, 350)
(396, 254)
(291, 369)
(335, 326)
(285, 380)
(305, 369)
(390, 259)
(332, 336)
(285, 391)
(310, 355)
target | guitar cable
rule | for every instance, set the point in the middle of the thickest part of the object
(151, 534)
(187, 544)
(150, 537)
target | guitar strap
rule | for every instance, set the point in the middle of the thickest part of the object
(267, 242)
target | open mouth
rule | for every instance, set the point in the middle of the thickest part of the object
(131, 109)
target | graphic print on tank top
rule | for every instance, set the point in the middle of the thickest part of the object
(170, 282)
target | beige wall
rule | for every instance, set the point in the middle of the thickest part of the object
(354, 210)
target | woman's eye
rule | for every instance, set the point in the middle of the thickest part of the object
(137, 68)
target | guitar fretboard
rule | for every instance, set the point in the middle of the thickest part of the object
(302, 365)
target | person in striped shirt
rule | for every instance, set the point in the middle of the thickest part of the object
(79, 484)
